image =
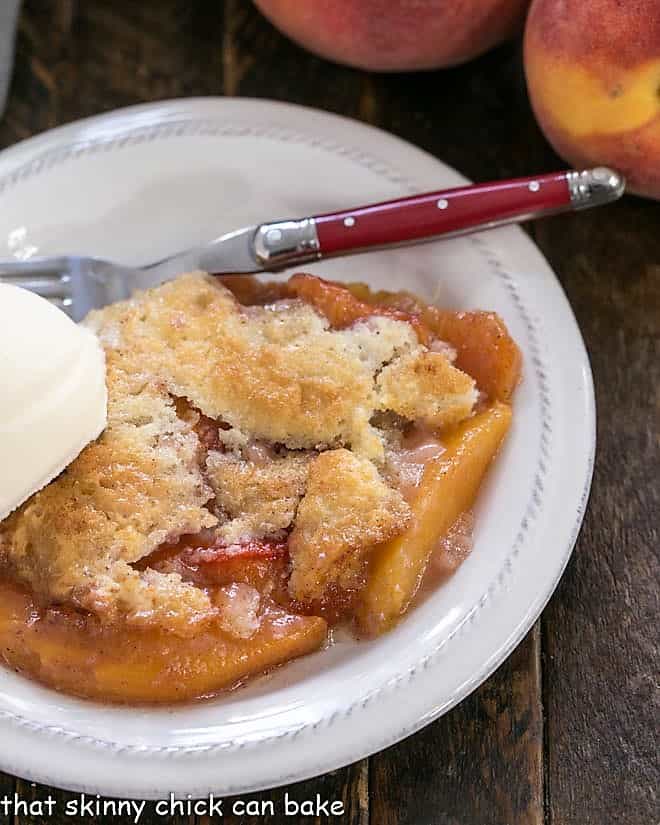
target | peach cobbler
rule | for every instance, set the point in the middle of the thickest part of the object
(279, 458)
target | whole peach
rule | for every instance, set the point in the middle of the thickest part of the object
(397, 35)
(593, 74)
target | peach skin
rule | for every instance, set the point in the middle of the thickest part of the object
(593, 74)
(397, 35)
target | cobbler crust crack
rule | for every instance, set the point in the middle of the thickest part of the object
(277, 375)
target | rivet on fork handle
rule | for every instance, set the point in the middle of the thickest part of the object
(286, 242)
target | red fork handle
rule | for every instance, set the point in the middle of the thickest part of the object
(432, 215)
(441, 213)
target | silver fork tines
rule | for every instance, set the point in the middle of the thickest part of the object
(78, 284)
(47, 278)
(47, 286)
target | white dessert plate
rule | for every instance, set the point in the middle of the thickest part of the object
(140, 183)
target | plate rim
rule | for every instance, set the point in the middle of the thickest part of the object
(86, 130)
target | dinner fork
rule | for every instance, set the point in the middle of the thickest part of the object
(78, 284)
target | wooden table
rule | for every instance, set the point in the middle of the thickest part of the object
(563, 732)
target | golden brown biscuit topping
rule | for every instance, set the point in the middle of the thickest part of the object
(347, 509)
(287, 436)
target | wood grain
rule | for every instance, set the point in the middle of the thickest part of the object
(600, 630)
(262, 63)
(80, 57)
(474, 117)
(7, 784)
(481, 763)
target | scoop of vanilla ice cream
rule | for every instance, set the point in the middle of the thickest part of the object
(53, 398)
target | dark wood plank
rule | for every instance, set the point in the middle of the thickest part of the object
(480, 764)
(260, 62)
(7, 784)
(80, 57)
(600, 629)
(474, 117)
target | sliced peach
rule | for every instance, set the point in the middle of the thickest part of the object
(170, 670)
(448, 488)
(342, 306)
(74, 653)
(484, 348)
